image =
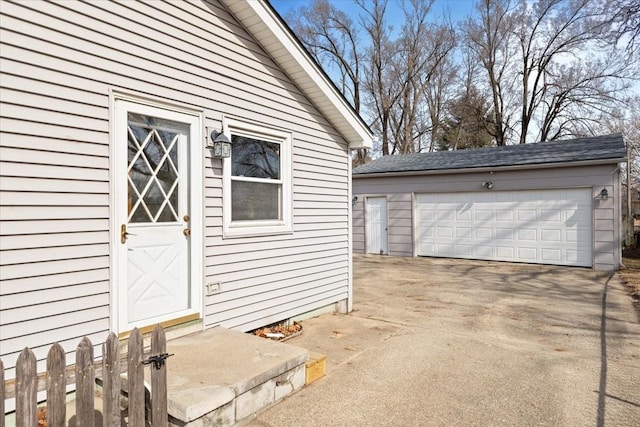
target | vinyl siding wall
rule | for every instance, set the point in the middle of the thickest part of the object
(400, 191)
(59, 62)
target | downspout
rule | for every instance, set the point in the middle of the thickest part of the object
(628, 238)
(350, 237)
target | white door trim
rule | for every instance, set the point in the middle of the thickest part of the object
(120, 104)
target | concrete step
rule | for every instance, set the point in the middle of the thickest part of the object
(222, 377)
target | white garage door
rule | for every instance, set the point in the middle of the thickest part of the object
(545, 226)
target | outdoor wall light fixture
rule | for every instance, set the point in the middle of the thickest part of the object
(220, 144)
(487, 184)
(604, 194)
(354, 200)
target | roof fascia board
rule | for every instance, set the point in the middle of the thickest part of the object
(493, 169)
(326, 98)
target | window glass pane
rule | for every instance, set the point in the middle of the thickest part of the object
(166, 215)
(140, 215)
(255, 158)
(255, 201)
(153, 166)
(153, 198)
(139, 170)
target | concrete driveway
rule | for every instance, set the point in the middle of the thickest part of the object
(455, 342)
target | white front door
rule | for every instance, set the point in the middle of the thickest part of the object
(153, 204)
(377, 225)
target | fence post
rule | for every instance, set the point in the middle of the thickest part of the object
(26, 389)
(135, 374)
(85, 383)
(111, 380)
(159, 415)
(56, 386)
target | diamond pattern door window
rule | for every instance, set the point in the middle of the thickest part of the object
(154, 181)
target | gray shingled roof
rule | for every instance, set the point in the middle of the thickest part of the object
(609, 147)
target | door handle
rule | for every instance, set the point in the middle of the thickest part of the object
(186, 232)
(123, 234)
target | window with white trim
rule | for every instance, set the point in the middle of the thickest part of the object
(257, 180)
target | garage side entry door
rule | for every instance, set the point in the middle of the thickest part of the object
(543, 226)
(376, 224)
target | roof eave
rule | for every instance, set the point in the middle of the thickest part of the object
(492, 168)
(283, 48)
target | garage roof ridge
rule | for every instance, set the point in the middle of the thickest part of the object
(609, 148)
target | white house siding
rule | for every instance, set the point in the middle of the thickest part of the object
(59, 62)
(400, 191)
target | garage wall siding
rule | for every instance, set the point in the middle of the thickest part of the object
(400, 191)
(60, 60)
(400, 224)
(357, 230)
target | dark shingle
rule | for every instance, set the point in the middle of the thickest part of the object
(609, 147)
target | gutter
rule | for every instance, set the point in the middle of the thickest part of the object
(489, 168)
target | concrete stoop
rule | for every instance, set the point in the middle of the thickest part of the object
(220, 377)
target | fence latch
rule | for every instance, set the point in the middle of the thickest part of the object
(157, 360)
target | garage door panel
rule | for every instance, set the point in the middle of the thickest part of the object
(427, 215)
(484, 252)
(484, 233)
(547, 215)
(503, 215)
(464, 232)
(445, 215)
(483, 215)
(527, 215)
(521, 198)
(427, 249)
(551, 255)
(504, 253)
(573, 256)
(550, 235)
(445, 232)
(571, 236)
(545, 226)
(529, 254)
(464, 251)
(427, 231)
(525, 234)
(446, 249)
(464, 215)
(504, 196)
(576, 215)
(580, 196)
(504, 234)
(483, 198)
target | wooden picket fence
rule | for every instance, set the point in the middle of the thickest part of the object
(28, 382)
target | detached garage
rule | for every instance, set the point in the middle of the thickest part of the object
(548, 203)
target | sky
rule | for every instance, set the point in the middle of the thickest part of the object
(457, 9)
